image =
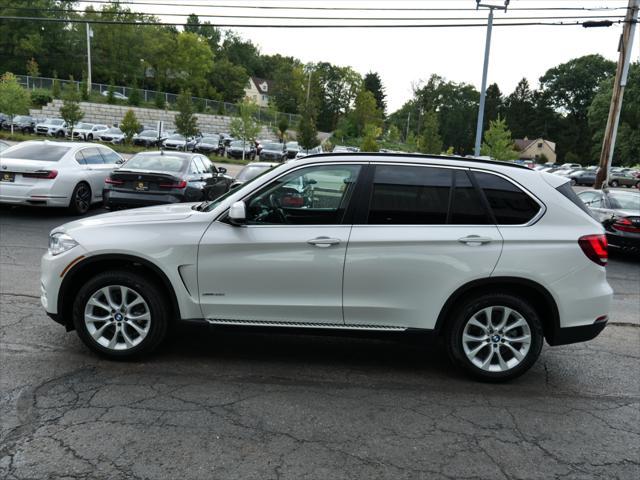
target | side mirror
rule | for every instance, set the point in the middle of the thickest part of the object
(222, 170)
(119, 161)
(238, 213)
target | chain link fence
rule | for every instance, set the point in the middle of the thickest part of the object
(203, 105)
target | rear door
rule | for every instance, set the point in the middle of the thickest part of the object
(423, 233)
(96, 170)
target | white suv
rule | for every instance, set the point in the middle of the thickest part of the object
(494, 257)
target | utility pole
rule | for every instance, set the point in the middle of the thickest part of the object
(89, 35)
(622, 72)
(308, 87)
(483, 88)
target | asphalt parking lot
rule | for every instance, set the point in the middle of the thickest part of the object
(226, 404)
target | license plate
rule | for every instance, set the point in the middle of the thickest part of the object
(142, 186)
(7, 177)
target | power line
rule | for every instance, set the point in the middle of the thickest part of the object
(294, 26)
(287, 17)
(286, 7)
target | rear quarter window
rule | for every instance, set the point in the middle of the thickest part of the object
(509, 204)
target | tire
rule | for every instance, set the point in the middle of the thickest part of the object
(59, 134)
(80, 199)
(116, 338)
(614, 183)
(573, 182)
(90, 137)
(494, 347)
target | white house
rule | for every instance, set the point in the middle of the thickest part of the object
(258, 90)
(536, 149)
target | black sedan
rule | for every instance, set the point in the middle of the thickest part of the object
(209, 144)
(619, 213)
(21, 123)
(235, 150)
(153, 178)
(273, 152)
(148, 138)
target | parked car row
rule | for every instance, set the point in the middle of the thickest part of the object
(77, 175)
(578, 175)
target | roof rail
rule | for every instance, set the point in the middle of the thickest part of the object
(419, 155)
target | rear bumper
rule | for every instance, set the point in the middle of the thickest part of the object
(34, 195)
(624, 240)
(583, 333)
(115, 199)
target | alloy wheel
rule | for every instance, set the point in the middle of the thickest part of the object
(117, 317)
(496, 339)
(83, 198)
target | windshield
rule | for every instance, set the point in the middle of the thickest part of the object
(114, 130)
(273, 146)
(176, 137)
(55, 122)
(21, 118)
(292, 145)
(625, 200)
(207, 207)
(148, 133)
(84, 125)
(44, 152)
(238, 144)
(210, 140)
(161, 163)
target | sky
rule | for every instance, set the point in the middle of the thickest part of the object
(404, 57)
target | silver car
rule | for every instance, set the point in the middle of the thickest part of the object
(55, 174)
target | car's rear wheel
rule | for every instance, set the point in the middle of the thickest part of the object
(121, 314)
(80, 199)
(90, 136)
(573, 182)
(614, 183)
(495, 337)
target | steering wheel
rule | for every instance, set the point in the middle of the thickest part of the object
(274, 203)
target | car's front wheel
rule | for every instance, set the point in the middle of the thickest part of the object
(614, 183)
(121, 314)
(495, 337)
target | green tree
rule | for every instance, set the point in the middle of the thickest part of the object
(307, 131)
(493, 105)
(365, 111)
(32, 68)
(186, 120)
(282, 127)
(244, 127)
(371, 132)
(627, 149)
(135, 96)
(84, 87)
(70, 110)
(429, 140)
(130, 125)
(192, 62)
(497, 141)
(159, 100)
(519, 110)
(14, 99)
(393, 134)
(373, 83)
(55, 86)
(289, 83)
(228, 80)
(111, 90)
(211, 34)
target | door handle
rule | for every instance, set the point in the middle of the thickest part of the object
(475, 240)
(323, 242)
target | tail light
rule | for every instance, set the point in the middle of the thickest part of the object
(595, 248)
(625, 225)
(113, 181)
(46, 174)
(180, 184)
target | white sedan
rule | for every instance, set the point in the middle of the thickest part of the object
(55, 174)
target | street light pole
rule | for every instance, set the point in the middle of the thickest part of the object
(622, 72)
(483, 88)
(89, 35)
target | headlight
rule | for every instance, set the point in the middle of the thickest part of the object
(60, 242)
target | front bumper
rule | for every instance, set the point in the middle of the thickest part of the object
(52, 271)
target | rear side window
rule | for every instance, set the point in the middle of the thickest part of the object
(467, 208)
(510, 205)
(109, 156)
(404, 195)
(92, 156)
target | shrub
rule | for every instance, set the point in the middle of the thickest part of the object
(55, 87)
(135, 96)
(130, 125)
(159, 101)
(40, 97)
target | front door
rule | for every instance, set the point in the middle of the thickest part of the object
(426, 232)
(285, 265)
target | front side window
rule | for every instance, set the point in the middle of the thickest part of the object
(316, 195)
(406, 195)
(510, 205)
